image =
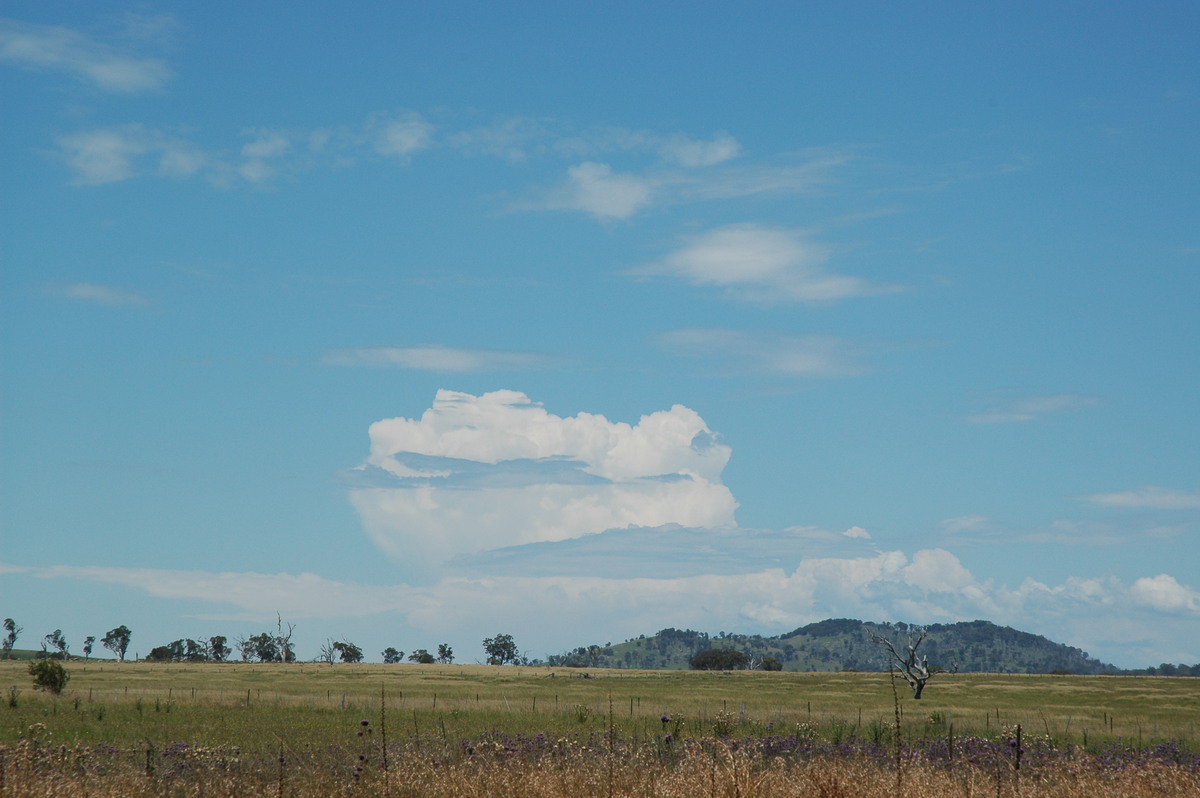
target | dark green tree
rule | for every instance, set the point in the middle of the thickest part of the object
(719, 659)
(500, 649)
(421, 656)
(445, 654)
(348, 652)
(88, 642)
(12, 630)
(117, 641)
(49, 675)
(218, 650)
(56, 641)
(392, 655)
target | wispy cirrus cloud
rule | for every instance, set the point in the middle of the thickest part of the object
(120, 152)
(99, 294)
(761, 264)
(435, 357)
(1149, 497)
(55, 48)
(1032, 408)
(596, 188)
(771, 353)
(964, 523)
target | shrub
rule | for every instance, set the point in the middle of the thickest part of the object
(719, 659)
(49, 675)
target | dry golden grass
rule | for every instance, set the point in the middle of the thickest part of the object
(175, 730)
(711, 769)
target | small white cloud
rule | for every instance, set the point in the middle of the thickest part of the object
(434, 357)
(48, 47)
(1163, 592)
(747, 352)
(266, 144)
(857, 532)
(761, 264)
(400, 136)
(105, 155)
(1150, 497)
(112, 154)
(1032, 408)
(693, 153)
(97, 294)
(596, 189)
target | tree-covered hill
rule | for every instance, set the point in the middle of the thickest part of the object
(846, 644)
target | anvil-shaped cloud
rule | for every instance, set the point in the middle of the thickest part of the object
(475, 473)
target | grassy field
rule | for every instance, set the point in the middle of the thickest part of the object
(153, 717)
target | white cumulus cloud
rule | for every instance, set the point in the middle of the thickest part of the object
(481, 472)
(1163, 592)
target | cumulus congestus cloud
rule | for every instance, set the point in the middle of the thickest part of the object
(476, 473)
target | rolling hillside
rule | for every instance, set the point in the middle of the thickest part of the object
(845, 644)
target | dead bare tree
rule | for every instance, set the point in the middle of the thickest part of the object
(916, 671)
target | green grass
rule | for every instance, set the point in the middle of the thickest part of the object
(262, 707)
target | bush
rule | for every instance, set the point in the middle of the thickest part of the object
(49, 675)
(719, 659)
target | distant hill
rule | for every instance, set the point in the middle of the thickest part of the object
(846, 644)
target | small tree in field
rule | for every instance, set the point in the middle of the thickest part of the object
(421, 657)
(49, 675)
(56, 641)
(12, 630)
(117, 641)
(348, 652)
(88, 642)
(916, 671)
(445, 654)
(392, 655)
(500, 649)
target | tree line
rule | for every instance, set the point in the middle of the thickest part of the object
(55, 645)
(266, 646)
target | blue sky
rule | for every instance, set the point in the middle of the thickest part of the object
(415, 324)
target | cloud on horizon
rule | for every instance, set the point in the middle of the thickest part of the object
(1104, 615)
